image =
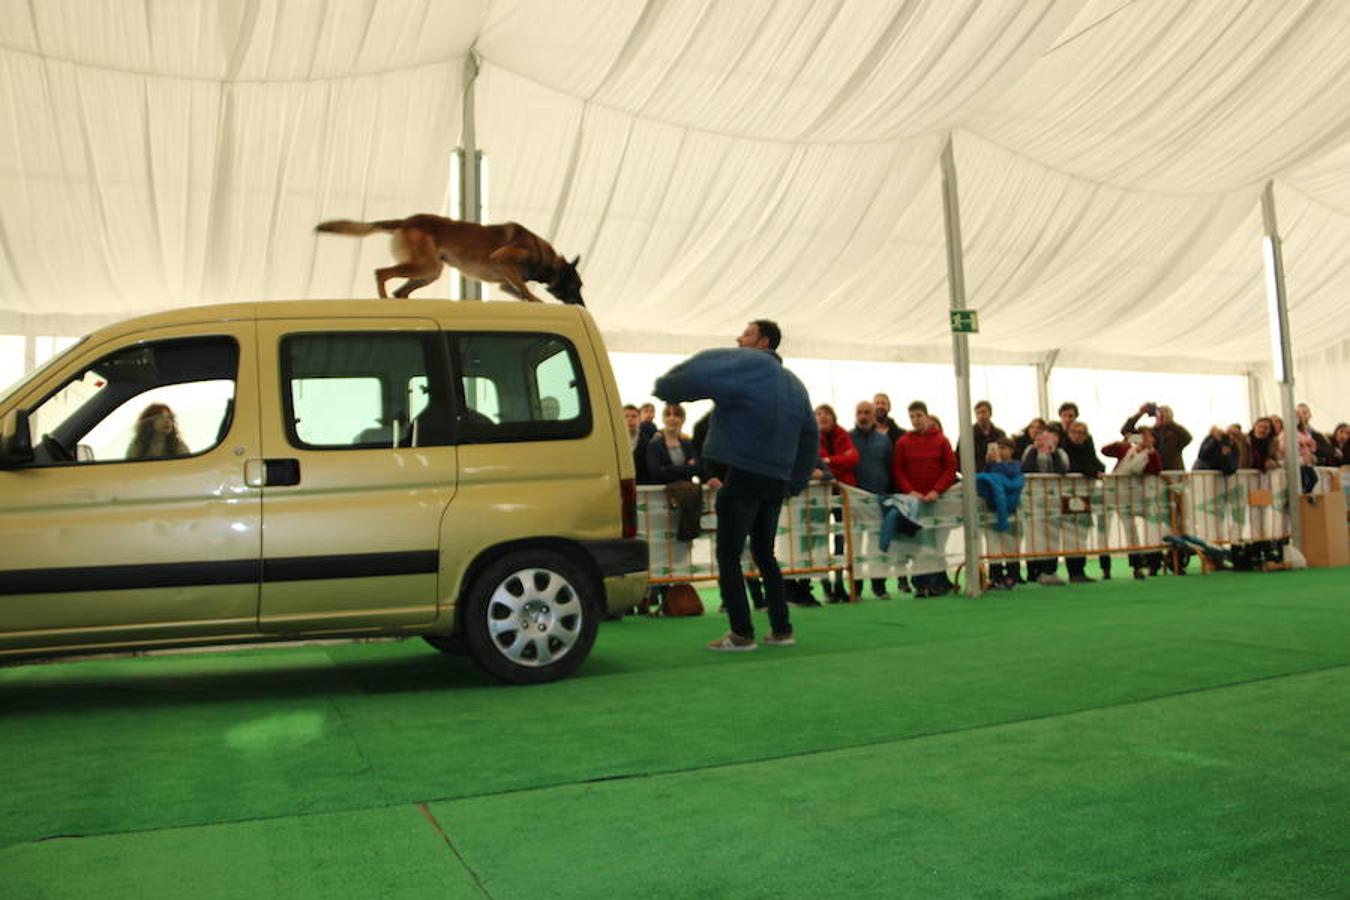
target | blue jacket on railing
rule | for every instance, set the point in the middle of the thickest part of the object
(1001, 484)
(763, 421)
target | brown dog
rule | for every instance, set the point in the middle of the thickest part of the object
(508, 255)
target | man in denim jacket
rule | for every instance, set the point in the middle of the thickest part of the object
(764, 431)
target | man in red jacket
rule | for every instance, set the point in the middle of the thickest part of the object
(924, 466)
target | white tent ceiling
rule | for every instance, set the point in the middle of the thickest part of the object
(712, 161)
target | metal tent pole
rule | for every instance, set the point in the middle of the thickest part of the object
(1282, 356)
(470, 168)
(956, 282)
(1253, 396)
(1043, 370)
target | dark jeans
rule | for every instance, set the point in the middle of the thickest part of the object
(1151, 561)
(1038, 567)
(747, 506)
(932, 581)
(878, 587)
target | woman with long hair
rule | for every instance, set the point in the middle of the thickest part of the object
(1027, 436)
(1265, 444)
(1340, 439)
(156, 435)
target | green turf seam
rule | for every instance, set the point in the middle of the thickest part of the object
(431, 817)
(424, 804)
(861, 745)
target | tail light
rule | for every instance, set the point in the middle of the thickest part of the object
(628, 505)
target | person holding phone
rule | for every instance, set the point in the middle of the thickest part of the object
(1172, 438)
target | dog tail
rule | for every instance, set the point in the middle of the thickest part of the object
(358, 229)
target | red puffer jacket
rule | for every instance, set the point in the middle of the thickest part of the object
(923, 461)
(836, 447)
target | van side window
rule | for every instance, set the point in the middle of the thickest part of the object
(157, 400)
(362, 390)
(518, 387)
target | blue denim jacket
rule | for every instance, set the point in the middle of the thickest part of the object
(763, 421)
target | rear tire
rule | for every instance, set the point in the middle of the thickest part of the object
(532, 616)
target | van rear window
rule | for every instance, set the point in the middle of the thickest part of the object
(513, 386)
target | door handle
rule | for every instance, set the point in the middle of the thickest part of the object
(271, 472)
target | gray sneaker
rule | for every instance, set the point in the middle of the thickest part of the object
(1050, 579)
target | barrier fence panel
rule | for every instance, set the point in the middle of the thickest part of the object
(804, 544)
(880, 552)
(831, 527)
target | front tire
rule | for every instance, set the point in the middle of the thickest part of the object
(531, 617)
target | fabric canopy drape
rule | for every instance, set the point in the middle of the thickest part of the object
(711, 161)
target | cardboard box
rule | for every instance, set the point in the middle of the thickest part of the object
(1326, 540)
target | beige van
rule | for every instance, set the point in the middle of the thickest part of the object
(287, 470)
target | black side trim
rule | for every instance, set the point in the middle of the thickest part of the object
(239, 571)
(618, 557)
(119, 578)
(353, 565)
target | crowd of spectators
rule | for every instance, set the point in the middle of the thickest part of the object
(881, 456)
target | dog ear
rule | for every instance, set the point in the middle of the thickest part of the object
(576, 259)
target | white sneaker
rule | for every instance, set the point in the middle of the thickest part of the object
(732, 643)
(1050, 579)
(779, 640)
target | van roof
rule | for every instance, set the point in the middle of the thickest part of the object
(505, 311)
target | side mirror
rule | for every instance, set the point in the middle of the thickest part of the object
(16, 441)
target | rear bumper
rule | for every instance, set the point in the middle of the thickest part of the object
(623, 566)
(624, 591)
(624, 556)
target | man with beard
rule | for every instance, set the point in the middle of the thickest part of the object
(884, 423)
(986, 433)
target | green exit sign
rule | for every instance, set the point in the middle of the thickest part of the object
(965, 321)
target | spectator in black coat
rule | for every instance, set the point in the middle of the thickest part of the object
(986, 433)
(648, 425)
(1218, 453)
(670, 455)
(637, 442)
(1083, 460)
(1341, 439)
(1027, 436)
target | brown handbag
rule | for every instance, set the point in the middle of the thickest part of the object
(683, 600)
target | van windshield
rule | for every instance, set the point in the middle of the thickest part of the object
(12, 389)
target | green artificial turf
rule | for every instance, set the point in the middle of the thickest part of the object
(1176, 737)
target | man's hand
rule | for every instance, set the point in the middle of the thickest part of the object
(817, 474)
(930, 497)
(714, 483)
(1143, 408)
